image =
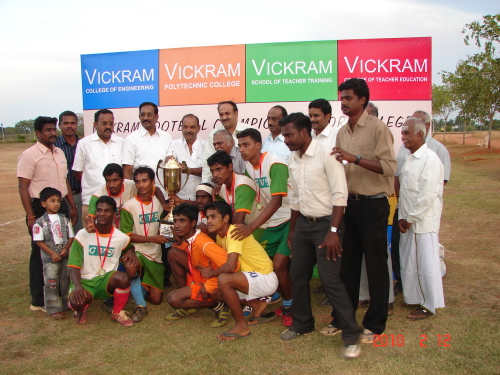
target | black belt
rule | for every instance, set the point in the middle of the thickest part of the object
(358, 197)
(76, 191)
(317, 219)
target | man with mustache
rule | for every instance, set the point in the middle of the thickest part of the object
(147, 145)
(320, 114)
(93, 153)
(274, 143)
(318, 198)
(189, 149)
(366, 144)
(40, 166)
(67, 142)
(228, 116)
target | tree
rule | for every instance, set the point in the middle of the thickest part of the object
(489, 31)
(25, 126)
(442, 102)
(484, 68)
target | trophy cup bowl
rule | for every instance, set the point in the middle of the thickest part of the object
(172, 172)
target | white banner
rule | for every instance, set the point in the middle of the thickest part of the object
(393, 113)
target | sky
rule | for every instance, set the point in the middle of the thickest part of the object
(41, 41)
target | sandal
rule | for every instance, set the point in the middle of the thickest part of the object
(330, 330)
(420, 313)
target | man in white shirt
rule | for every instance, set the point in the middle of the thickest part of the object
(189, 149)
(224, 141)
(432, 143)
(319, 196)
(420, 208)
(444, 156)
(228, 115)
(320, 113)
(93, 153)
(275, 143)
(147, 145)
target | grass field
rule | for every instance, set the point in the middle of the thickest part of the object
(32, 343)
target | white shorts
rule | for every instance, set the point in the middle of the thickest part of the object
(259, 285)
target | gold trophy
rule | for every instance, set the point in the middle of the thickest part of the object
(172, 184)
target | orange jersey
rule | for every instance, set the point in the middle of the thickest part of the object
(203, 251)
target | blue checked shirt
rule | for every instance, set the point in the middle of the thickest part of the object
(69, 152)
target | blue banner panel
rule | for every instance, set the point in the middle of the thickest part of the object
(119, 80)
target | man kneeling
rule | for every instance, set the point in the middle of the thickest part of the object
(197, 249)
(256, 277)
(94, 259)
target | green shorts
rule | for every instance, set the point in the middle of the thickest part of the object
(274, 240)
(98, 286)
(151, 272)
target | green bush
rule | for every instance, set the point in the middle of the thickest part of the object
(21, 138)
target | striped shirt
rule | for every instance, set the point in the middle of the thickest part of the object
(69, 152)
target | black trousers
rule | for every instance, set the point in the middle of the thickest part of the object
(36, 267)
(396, 265)
(366, 233)
(305, 254)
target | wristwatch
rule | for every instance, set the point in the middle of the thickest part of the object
(358, 158)
(333, 229)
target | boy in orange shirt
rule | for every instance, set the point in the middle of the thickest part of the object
(196, 249)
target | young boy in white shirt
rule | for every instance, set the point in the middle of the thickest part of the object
(54, 235)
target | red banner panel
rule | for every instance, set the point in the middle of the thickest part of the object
(395, 69)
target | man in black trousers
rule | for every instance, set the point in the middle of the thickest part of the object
(319, 193)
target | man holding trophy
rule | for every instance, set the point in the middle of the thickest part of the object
(188, 151)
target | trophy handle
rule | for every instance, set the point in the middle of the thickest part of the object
(157, 176)
(187, 174)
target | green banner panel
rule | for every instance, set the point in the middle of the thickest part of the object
(298, 71)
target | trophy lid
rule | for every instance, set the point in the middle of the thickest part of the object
(172, 164)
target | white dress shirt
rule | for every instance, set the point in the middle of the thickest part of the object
(421, 192)
(142, 148)
(276, 146)
(210, 150)
(434, 145)
(92, 156)
(318, 181)
(195, 160)
(328, 137)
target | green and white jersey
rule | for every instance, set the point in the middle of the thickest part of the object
(128, 192)
(271, 178)
(144, 222)
(243, 197)
(84, 253)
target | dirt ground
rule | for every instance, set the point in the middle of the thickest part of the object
(32, 343)
(457, 138)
